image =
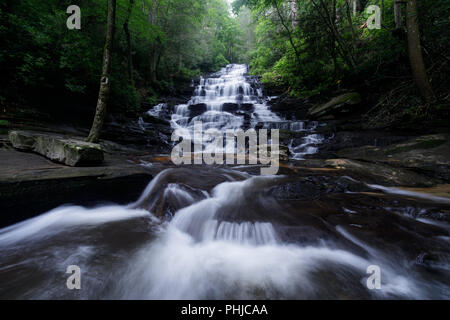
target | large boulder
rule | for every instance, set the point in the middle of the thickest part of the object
(22, 140)
(72, 152)
(230, 107)
(341, 104)
(196, 110)
(428, 154)
(380, 174)
(247, 107)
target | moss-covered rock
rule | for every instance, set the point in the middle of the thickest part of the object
(341, 104)
(59, 149)
(425, 153)
(22, 140)
(380, 174)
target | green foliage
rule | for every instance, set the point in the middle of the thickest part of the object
(42, 61)
(327, 44)
(40, 57)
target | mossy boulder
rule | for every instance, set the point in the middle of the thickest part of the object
(22, 140)
(429, 153)
(341, 104)
(381, 174)
(72, 152)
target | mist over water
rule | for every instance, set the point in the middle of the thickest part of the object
(183, 239)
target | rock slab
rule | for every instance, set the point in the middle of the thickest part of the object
(72, 152)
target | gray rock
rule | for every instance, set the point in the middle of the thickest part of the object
(197, 109)
(71, 152)
(22, 140)
(429, 154)
(380, 174)
(230, 107)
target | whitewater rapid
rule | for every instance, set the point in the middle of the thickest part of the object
(230, 100)
(205, 251)
(198, 233)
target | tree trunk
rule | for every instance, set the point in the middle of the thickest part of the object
(398, 13)
(105, 82)
(330, 23)
(154, 59)
(415, 52)
(350, 23)
(128, 39)
(286, 27)
(180, 63)
(294, 13)
(355, 7)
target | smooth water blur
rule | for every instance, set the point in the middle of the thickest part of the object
(224, 243)
(217, 233)
(231, 100)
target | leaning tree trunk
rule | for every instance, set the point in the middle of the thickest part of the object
(415, 52)
(398, 14)
(126, 29)
(105, 82)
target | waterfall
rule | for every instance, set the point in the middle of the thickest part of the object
(219, 233)
(230, 100)
(227, 100)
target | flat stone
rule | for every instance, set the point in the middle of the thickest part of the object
(31, 184)
(68, 151)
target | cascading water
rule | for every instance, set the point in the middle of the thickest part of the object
(209, 233)
(230, 100)
(226, 243)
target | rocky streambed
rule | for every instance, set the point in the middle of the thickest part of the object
(345, 200)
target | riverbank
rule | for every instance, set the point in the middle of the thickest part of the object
(31, 184)
(344, 199)
(390, 158)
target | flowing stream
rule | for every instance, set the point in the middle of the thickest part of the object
(223, 233)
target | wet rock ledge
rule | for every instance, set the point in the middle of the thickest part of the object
(74, 153)
(31, 184)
